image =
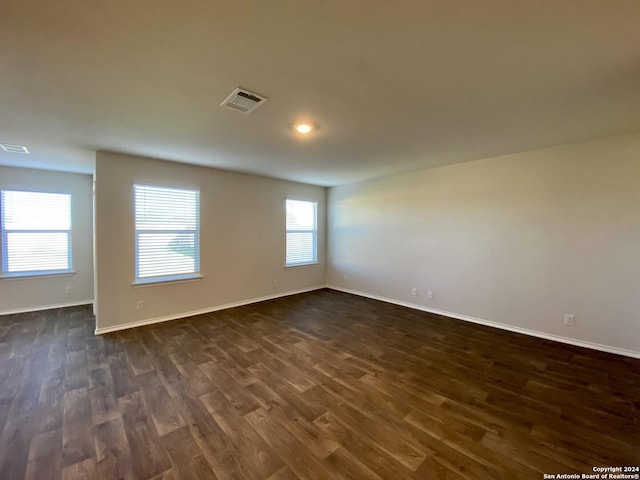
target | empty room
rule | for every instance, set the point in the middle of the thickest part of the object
(292, 240)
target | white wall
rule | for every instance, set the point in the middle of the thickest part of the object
(242, 240)
(519, 240)
(32, 293)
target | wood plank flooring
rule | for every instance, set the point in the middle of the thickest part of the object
(322, 385)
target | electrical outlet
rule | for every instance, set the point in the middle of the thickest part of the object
(414, 291)
(429, 294)
(68, 290)
(569, 319)
(140, 305)
(345, 277)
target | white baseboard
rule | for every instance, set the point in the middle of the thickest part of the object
(45, 307)
(502, 326)
(151, 321)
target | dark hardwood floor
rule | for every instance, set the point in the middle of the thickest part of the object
(323, 385)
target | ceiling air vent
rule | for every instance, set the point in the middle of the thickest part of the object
(7, 147)
(243, 100)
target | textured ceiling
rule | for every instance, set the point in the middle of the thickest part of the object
(393, 86)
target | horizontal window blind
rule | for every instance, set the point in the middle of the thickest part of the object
(36, 232)
(302, 232)
(167, 228)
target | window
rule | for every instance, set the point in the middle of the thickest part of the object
(167, 233)
(302, 232)
(36, 233)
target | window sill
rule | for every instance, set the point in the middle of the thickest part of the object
(23, 275)
(150, 282)
(296, 265)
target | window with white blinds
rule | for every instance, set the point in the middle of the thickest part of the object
(302, 232)
(167, 223)
(36, 233)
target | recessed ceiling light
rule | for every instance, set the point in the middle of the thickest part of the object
(7, 147)
(304, 128)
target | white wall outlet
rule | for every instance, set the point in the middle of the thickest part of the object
(429, 294)
(414, 291)
(275, 283)
(345, 277)
(569, 319)
(68, 290)
(140, 305)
